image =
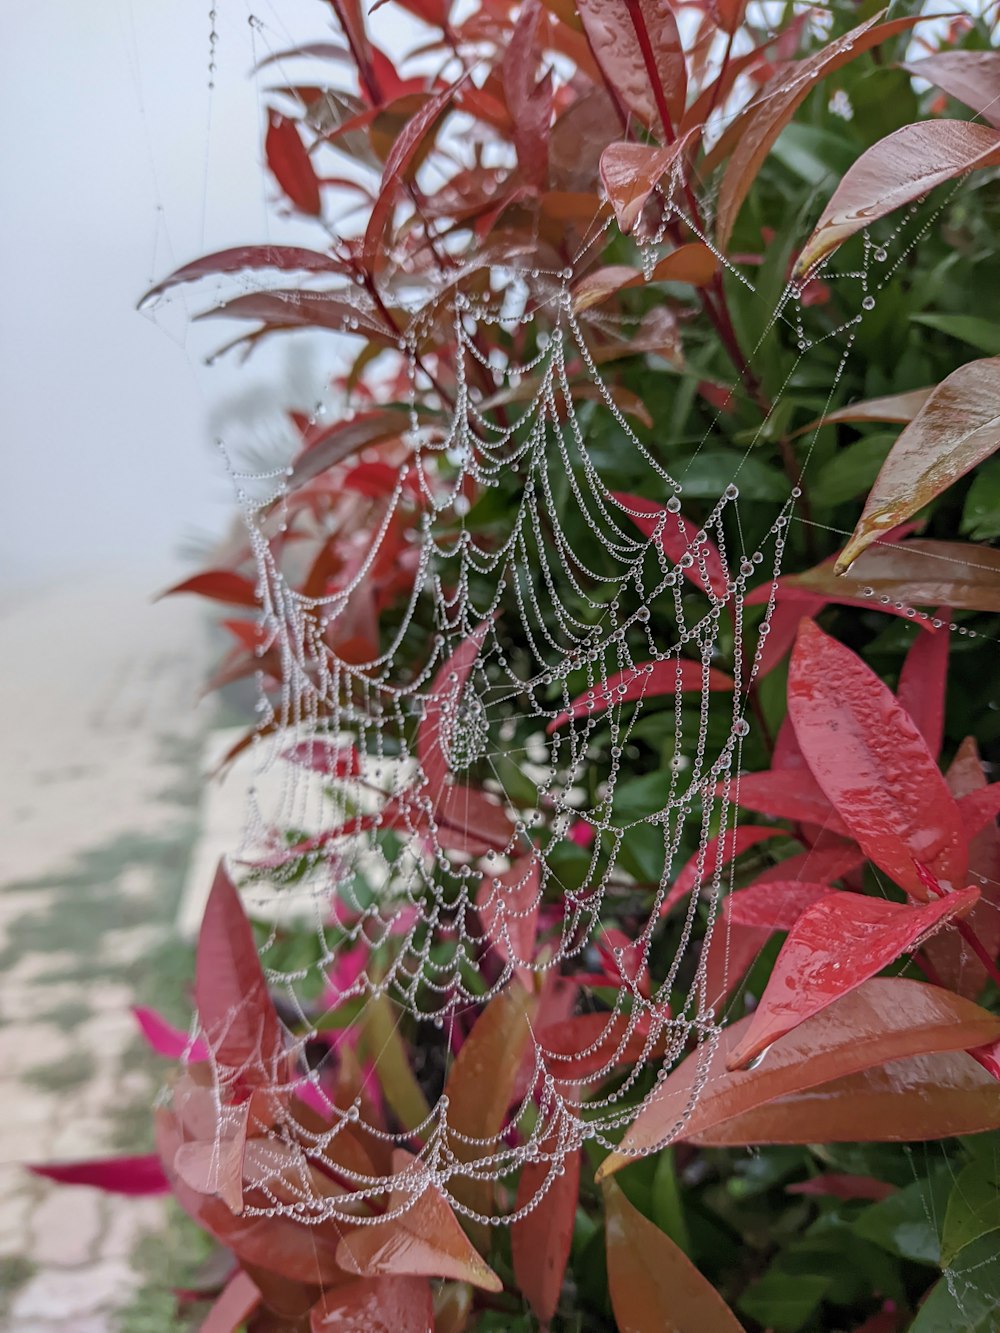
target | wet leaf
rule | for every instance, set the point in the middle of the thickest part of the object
(956, 429)
(540, 1241)
(923, 683)
(645, 680)
(919, 572)
(425, 1240)
(375, 1305)
(873, 765)
(611, 28)
(840, 941)
(902, 167)
(759, 125)
(971, 77)
(654, 1287)
(885, 1019)
(774, 905)
(630, 172)
(718, 852)
(793, 795)
(291, 164)
(235, 1009)
(286, 258)
(675, 536)
(973, 1211)
(329, 445)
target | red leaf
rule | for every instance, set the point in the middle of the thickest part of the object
(953, 960)
(236, 1011)
(618, 49)
(289, 159)
(870, 760)
(631, 171)
(588, 1046)
(895, 171)
(404, 150)
(114, 1175)
(219, 585)
(336, 759)
(528, 97)
(235, 1304)
(325, 447)
(841, 941)
(540, 1242)
(791, 794)
(287, 258)
(718, 853)
(923, 683)
(375, 1305)
(441, 708)
(774, 905)
(645, 680)
(676, 539)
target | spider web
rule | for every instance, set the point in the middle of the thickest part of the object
(451, 814)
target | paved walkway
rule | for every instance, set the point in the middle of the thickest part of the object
(99, 794)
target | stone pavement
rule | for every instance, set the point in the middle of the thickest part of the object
(99, 793)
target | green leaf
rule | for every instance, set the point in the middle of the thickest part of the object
(983, 334)
(707, 474)
(814, 155)
(668, 1206)
(973, 1211)
(906, 1224)
(784, 1301)
(981, 515)
(967, 1297)
(853, 469)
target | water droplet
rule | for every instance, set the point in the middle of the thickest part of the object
(868, 303)
(881, 255)
(673, 505)
(741, 727)
(732, 492)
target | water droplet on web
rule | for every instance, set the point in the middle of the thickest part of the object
(881, 255)
(674, 505)
(868, 303)
(741, 727)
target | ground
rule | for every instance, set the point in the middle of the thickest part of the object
(102, 799)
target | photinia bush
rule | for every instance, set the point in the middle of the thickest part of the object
(686, 1058)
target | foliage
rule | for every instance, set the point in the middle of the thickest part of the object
(856, 955)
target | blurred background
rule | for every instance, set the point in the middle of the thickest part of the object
(132, 144)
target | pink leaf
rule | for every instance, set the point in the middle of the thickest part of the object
(675, 535)
(115, 1175)
(167, 1040)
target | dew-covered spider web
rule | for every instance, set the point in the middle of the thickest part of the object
(503, 700)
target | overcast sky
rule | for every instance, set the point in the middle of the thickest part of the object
(118, 163)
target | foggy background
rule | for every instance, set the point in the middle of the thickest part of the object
(118, 164)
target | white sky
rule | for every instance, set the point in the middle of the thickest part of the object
(118, 164)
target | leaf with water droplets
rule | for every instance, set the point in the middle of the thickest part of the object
(885, 1019)
(972, 77)
(652, 1282)
(840, 941)
(873, 765)
(630, 172)
(956, 429)
(760, 124)
(923, 683)
(612, 28)
(387, 1304)
(900, 168)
